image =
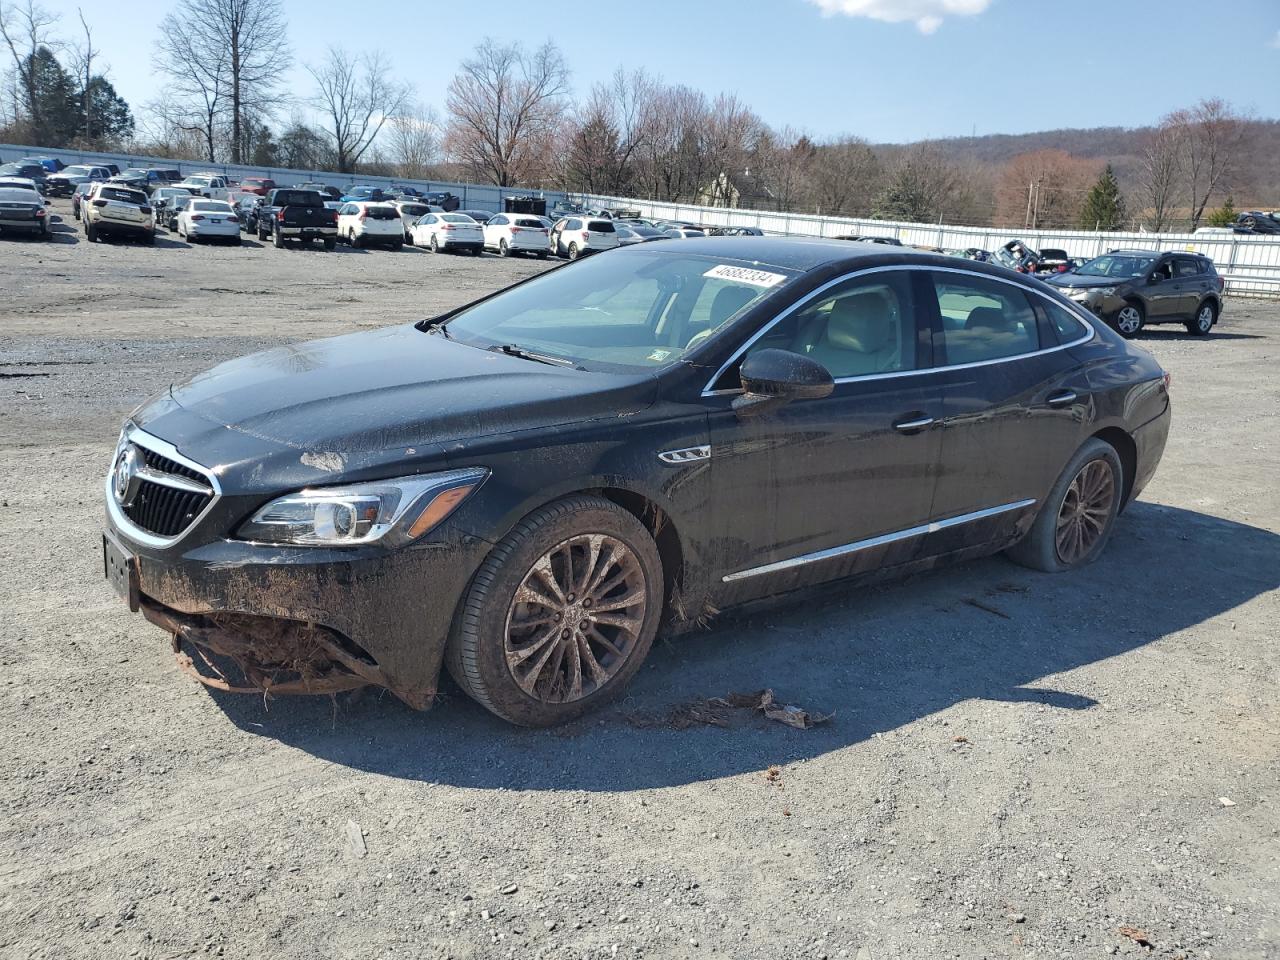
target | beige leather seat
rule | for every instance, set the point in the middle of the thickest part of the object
(724, 305)
(858, 338)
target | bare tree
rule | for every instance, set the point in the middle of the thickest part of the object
(922, 187)
(356, 97)
(782, 160)
(1210, 133)
(844, 177)
(1044, 188)
(26, 27)
(244, 41)
(414, 145)
(1160, 172)
(503, 104)
(195, 100)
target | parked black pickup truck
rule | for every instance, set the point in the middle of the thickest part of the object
(297, 215)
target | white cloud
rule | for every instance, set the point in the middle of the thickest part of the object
(927, 15)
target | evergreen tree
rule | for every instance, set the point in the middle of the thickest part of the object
(1225, 215)
(110, 121)
(1104, 206)
(52, 104)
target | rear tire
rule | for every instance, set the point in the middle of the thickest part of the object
(573, 251)
(614, 550)
(90, 232)
(1129, 320)
(1086, 498)
(277, 240)
(503, 249)
(435, 244)
(542, 254)
(330, 243)
(1203, 321)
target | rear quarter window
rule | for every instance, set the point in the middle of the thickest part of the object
(1068, 327)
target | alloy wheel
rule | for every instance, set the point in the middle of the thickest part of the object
(1085, 511)
(1129, 320)
(576, 618)
(1204, 319)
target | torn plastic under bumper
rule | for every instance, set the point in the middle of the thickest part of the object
(273, 657)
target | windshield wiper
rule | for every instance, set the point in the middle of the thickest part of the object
(515, 350)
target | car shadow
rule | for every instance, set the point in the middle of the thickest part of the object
(875, 658)
(171, 242)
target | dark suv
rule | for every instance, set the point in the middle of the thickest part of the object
(1131, 288)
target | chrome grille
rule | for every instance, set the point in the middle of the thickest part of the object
(168, 492)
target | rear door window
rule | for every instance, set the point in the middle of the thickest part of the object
(1186, 267)
(983, 319)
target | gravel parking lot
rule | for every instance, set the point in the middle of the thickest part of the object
(1018, 765)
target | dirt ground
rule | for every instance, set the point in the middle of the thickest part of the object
(1019, 765)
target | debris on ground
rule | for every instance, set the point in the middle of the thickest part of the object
(1137, 936)
(987, 607)
(355, 840)
(1226, 801)
(719, 711)
(774, 776)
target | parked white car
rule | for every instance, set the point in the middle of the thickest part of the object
(208, 220)
(448, 231)
(574, 236)
(510, 233)
(212, 188)
(678, 231)
(364, 224)
(410, 211)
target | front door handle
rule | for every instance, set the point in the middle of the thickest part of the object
(1061, 398)
(915, 423)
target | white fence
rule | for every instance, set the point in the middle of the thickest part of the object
(1251, 265)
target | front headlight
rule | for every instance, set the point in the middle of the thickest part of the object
(394, 511)
(1104, 291)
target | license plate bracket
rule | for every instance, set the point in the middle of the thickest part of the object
(120, 567)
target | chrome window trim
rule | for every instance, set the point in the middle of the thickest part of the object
(858, 545)
(1091, 332)
(135, 435)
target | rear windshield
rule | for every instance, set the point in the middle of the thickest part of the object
(413, 209)
(382, 213)
(456, 218)
(78, 171)
(124, 196)
(298, 198)
(17, 195)
(601, 226)
(211, 206)
(526, 222)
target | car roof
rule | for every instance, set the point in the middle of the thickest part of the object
(1134, 251)
(809, 253)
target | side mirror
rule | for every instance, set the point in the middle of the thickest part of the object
(771, 378)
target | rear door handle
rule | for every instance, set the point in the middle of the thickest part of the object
(1061, 398)
(916, 423)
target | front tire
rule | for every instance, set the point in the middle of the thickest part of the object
(503, 249)
(1203, 321)
(1077, 518)
(435, 244)
(1129, 320)
(560, 615)
(573, 251)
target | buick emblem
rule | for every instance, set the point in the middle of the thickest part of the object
(125, 482)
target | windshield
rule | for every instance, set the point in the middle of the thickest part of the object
(1119, 267)
(626, 310)
(77, 171)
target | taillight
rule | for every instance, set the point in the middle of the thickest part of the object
(198, 216)
(1168, 380)
(1222, 284)
(448, 226)
(99, 203)
(515, 229)
(586, 234)
(364, 215)
(280, 215)
(1062, 268)
(144, 209)
(333, 215)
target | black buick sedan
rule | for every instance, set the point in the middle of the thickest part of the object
(528, 488)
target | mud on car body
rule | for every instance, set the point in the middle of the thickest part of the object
(528, 488)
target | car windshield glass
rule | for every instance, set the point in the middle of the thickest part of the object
(456, 218)
(78, 171)
(526, 222)
(211, 206)
(382, 213)
(296, 198)
(624, 311)
(1119, 267)
(412, 209)
(16, 195)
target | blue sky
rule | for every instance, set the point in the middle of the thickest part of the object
(887, 70)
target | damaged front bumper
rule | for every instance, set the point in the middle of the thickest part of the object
(249, 617)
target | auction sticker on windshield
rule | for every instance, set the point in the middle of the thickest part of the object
(757, 278)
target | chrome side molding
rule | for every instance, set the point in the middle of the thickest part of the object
(833, 552)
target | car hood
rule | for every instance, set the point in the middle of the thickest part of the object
(396, 389)
(1076, 281)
